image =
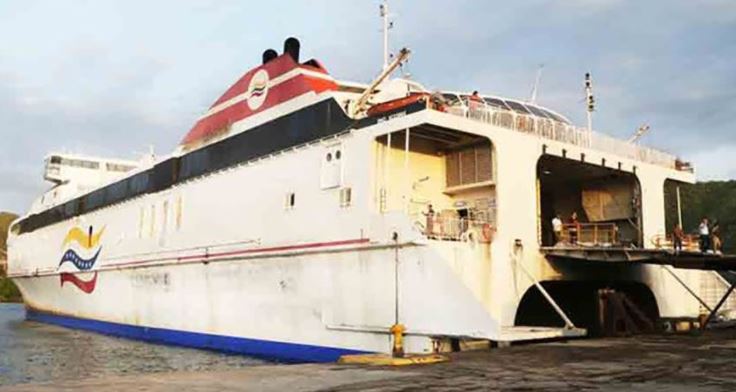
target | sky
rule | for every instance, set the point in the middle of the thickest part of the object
(115, 78)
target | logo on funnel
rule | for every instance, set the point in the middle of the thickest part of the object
(258, 89)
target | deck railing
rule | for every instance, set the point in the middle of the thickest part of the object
(566, 133)
(594, 234)
(438, 227)
(689, 242)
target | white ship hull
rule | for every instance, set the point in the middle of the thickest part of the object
(291, 284)
(311, 307)
(312, 246)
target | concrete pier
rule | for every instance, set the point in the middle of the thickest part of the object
(646, 363)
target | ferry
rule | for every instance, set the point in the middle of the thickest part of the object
(303, 218)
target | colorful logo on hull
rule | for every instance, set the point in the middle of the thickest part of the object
(82, 248)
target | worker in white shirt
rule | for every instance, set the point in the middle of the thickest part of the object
(704, 231)
(557, 228)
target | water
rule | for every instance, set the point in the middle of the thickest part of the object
(36, 352)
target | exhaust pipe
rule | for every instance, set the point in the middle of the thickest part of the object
(269, 55)
(291, 47)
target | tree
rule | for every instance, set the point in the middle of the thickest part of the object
(5, 219)
(8, 290)
(715, 200)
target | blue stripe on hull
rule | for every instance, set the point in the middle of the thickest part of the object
(266, 349)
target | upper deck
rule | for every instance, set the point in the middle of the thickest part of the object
(544, 123)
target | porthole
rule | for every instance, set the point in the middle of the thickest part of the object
(338, 154)
(329, 157)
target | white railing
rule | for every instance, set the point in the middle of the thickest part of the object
(589, 234)
(558, 131)
(438, 227)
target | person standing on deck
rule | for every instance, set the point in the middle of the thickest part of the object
(715, 234)
(474, 101)
(557, 228)
(704, 232)
(430, 221)
(574, 228)
(677, 236)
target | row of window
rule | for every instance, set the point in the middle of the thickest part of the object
(119, 167)
(75, 162)
(315, 122)
(87, 164)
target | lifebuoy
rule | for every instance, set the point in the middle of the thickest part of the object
(487, 232)
(470, 235)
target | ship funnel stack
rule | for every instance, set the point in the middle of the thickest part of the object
(268, 55)
(291, 47)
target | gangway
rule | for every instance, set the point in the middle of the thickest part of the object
(667, 258)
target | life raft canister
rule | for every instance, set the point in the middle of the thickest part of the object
(390, 106)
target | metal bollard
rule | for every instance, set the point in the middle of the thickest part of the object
(398, 331)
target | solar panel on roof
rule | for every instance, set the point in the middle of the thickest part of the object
(518, 107)
(496, 103)
(536, 111)
(554, 116)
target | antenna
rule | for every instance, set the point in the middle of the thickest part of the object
(533, 98)
(644, 128)
(589, 99)
(387, 25)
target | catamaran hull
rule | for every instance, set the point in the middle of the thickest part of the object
(330, 300)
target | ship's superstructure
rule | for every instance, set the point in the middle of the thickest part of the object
(302, 217)
(74, 174)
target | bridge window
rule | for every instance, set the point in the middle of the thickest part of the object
(118, 167)
(80, 163)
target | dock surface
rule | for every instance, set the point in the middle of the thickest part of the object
(704, 362)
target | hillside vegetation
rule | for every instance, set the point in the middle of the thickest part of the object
(5, 219)
(8, 291)
(715, 200)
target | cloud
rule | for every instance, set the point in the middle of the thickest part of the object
(17, 184)
(716, 163)
(35, 125)
(117, 77)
